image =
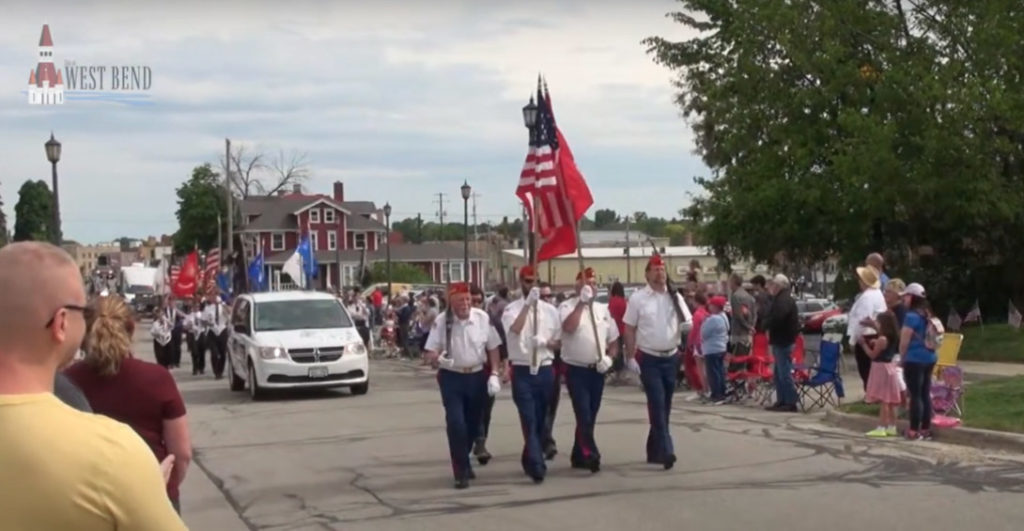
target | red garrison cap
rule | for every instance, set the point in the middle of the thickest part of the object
(527, 272)
(717, 300)
(655, 260)
(458, 288)
(588, 273)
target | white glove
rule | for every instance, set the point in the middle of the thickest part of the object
(446, 362)
(604, 364)
(493, 385)
(586, 294)
(633, 366)
(533, 296)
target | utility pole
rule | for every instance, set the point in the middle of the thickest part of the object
(440, 215)
(230, 198)
(476, 234)
(629, 265)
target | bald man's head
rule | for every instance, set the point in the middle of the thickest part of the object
(876, 261)
(40, 289)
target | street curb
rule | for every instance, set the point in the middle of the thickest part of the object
(977, 438)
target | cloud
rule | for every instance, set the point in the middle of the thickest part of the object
(399, 100)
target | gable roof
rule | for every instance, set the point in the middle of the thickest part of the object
(277, 213)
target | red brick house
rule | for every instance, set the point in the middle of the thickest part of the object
(344, 234)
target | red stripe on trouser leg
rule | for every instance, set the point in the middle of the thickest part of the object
(582, 443)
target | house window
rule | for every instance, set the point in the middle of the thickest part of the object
(454, 270)
(350, 272)
(332, 239)
(314, 240)
(277, 241)
(359, 240)
(328, 215)
(314, 215)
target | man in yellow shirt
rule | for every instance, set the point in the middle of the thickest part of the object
(61, 468)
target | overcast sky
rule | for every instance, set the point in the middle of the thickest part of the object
(398, 99)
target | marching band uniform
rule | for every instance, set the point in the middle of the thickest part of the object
(191, 327)
(215, 319)
(587, 362)
(653, 319)
(161, 332)
(461, 378)
(173, 350)
(532, 379)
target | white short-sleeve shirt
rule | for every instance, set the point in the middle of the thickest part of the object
(548, 324)
(658, 329)
(471, 338)
(579, 348)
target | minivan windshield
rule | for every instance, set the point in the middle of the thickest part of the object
(300, 315)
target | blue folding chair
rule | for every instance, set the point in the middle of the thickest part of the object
(823, 384)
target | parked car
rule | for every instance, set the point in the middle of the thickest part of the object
(294, 339)
(814, 312)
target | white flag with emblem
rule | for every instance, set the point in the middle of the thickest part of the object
(293, 267)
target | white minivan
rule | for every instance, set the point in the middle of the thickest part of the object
(294, 339)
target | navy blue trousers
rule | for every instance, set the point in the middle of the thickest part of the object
(658, 376)
(463, 396)
(586, 386)
(531, 394)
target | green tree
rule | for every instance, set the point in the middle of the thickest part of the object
(3, 224)
(200, 200)
(605, 217)
(400, 272)
(33, 214)
(842, 127)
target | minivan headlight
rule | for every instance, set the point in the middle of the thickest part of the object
(270, 353)
(355, 349)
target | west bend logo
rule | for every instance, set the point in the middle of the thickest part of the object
(116, 84)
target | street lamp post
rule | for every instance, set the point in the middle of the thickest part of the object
(530, 120)
(53, 155)
(387, 243)
(466, 191)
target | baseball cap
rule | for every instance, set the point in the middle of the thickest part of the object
(914, 289)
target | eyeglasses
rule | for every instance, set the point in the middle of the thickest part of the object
(86, 312)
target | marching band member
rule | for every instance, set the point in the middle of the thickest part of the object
(461, 343)
(215, 318)
(530, 352)
(653, 319)
(587, 362)
(161, 332)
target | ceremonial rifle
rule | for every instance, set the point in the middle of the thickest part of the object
(671, 290)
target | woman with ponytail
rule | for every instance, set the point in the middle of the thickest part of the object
(140, 394)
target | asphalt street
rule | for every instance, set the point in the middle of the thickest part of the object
(328, 460)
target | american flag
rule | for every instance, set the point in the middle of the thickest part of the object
(551, 187)
(210, 273)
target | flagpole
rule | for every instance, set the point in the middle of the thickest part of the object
(534, 360)
(220, 244)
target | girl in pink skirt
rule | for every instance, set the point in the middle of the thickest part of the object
(883, 381)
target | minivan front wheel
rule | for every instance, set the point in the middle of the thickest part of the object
(255, 392)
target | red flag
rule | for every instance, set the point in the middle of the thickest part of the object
(184, 286)
(551, 182)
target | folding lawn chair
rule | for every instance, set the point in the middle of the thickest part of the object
(949, 351)
(948, 392)
(821, 385)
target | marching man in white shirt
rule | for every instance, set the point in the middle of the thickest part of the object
(215, 317)
(460, 343)
(584, 348)
(161, 332)
(532, 331)
(654, 326)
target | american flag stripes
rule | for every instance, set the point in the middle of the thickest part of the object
(210, 272)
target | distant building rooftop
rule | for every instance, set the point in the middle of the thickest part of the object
(687, 251)
(597, 238)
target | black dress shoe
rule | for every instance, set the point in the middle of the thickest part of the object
(594, 465)
(788, 408)
(578, 464)
(480, 451)
(462, 483)
(537, 478)
(550, 452)
(670, 462)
